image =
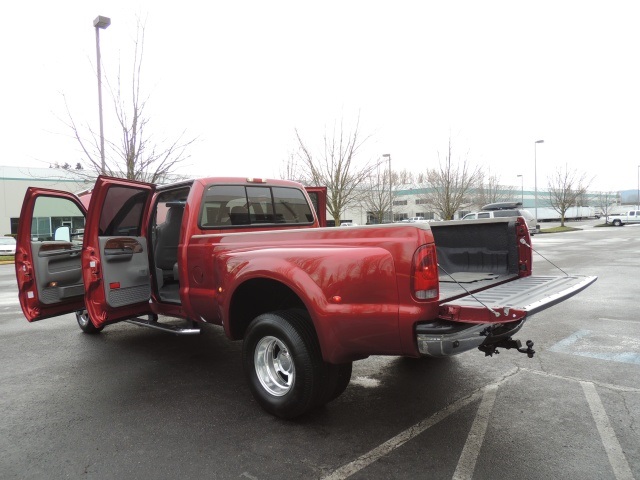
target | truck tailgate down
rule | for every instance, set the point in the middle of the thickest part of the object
(529, 294)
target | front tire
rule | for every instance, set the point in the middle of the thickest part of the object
(283, 364)
(85, 323)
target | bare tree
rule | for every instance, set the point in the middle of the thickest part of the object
(566, 188)
(403, 177)
(605, 202)
(449, 185)
(489, 190)
(336, 166)
(136, 154)
(291, 170)
(375, 195)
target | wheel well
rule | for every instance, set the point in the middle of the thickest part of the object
(257, 296)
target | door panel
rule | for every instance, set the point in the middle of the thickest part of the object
(115, 258)
(48, 271)
(58, 271)
(125, 270)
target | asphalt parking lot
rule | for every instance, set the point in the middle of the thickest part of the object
(136, 403)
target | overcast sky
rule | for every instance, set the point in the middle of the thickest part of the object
(495, 76)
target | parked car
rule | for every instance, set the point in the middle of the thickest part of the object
(7, 246)
(506, 209)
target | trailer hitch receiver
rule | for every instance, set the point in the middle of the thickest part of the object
(507, 343)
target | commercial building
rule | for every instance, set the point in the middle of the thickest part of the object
(14, 182)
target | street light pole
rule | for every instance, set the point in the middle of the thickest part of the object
(388, 155)
(535, 175)
(100, 23)
(521, 189)
(638, 187)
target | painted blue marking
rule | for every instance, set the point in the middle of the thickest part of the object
(585, 343)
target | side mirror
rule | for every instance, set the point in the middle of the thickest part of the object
(63, 234)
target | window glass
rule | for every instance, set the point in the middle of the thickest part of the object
(527, 214)
(227, 205)
(484, 215)
(218, 202)
(122, 211)
(505, 213)
(50, 213)
(291, 206)
(260, 205)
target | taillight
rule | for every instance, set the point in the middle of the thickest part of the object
(424, 273)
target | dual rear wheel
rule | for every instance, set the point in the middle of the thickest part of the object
(284, 366)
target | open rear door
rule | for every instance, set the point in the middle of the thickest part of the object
(318, 196)
(48, 268)
(115, 256)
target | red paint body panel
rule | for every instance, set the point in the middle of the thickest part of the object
(367, 267)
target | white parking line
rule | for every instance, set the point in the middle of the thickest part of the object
(618, 461)
(471, 450)
(387, 447)
(468, 457)
(610, 386)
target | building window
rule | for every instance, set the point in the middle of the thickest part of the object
(399, 203)
(421, 201)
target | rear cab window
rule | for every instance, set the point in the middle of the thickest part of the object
(240, 205)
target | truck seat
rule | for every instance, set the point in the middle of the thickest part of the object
(239, 216)
(167, 237)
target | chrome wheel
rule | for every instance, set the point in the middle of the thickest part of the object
(274, 366)
(85, 323)
(283, 363)
(83, 319)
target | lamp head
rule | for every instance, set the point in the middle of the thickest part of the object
(101, 22)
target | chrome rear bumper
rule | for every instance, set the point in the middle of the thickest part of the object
(442, 338)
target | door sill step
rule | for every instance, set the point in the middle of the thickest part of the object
(175, 329)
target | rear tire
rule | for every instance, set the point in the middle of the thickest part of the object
(337, 381)
(283, 364)
(85, 323)
(617, 223)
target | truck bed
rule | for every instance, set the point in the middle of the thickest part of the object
(476, 254)
(478, 265)
(473, 282)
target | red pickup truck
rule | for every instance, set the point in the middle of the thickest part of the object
(250, 256)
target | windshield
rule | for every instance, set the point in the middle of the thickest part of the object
(7, 241)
